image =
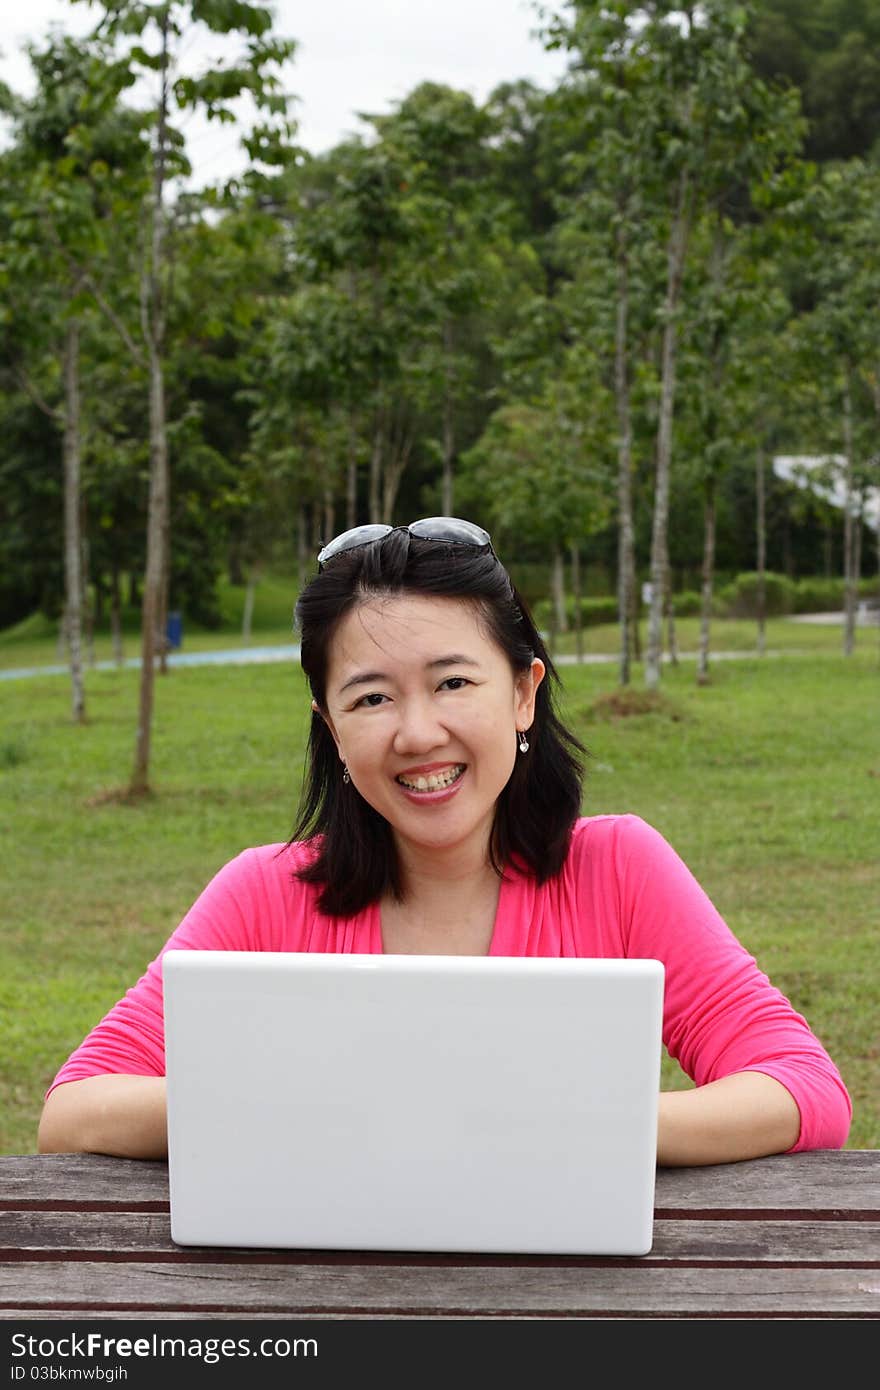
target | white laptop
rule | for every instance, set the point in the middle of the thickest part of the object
(430, 1103)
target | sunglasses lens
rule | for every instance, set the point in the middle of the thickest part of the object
(350, 540)
(449, 528)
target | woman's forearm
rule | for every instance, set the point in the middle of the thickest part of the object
(746, 1115)
(120, 1115)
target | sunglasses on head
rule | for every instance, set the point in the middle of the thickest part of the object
(451, 530)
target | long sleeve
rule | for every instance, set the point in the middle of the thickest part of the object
(721, 1013)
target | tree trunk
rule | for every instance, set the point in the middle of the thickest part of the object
(760, 484)
(395, 467)
(678, 236)
(153, 314)
(152, 595)
(708, 576)
(557, 580)
(72, 543)
(625, 528)
(576, 594)
(849, 576)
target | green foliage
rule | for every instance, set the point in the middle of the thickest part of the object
(596, 611)
(741, 597)
(593, 612)
(828, 50)
(445, 296)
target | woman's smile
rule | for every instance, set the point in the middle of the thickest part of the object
(436, 782)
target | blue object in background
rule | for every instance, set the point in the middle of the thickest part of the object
(174, 630)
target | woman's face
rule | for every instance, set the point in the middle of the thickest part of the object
(425, 707)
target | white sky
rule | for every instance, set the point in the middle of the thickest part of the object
(352, 55)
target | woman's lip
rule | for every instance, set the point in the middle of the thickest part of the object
(432, 797)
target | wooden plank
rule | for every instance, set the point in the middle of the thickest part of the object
(781, 1182)
(397, 1291)
(81, 1180)
(147, 1234)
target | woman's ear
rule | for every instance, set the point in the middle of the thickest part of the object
(526, 688)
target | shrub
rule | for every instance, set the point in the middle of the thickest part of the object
(816, 595)
(740, 599)
(594, 611)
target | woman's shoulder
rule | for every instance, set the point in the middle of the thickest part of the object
(281, 861)
(616, 843)
(621, 828)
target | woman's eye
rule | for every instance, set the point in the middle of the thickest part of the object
(371, 700)
(454, 683)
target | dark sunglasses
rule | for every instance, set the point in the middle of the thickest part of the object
(451, 530)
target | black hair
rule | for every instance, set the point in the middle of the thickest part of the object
(355, 857)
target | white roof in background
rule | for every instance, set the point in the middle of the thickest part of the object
(801, 469)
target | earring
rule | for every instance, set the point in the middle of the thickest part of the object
(523, 741)
(346, 777)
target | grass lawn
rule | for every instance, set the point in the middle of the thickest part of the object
(767, 781)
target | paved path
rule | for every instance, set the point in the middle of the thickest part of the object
(237, 656)
(247, 656)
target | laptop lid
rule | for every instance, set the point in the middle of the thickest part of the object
(448, 1103)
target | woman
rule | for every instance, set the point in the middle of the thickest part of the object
(442, 815)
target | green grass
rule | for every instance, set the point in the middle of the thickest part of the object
(767, 781)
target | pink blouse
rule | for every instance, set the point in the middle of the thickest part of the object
(623, 891)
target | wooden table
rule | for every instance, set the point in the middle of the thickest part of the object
(784, 1237)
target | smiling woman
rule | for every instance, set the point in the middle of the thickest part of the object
(441, 815)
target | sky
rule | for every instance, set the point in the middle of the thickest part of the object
(353, 55)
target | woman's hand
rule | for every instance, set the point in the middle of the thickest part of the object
(120, 1115)
(746, 1115)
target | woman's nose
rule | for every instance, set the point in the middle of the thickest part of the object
(419, 729)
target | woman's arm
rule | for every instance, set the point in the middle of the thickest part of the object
(109, 1114)
(745, 1115)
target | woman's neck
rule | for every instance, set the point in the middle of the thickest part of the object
(448, 906)
(457, 872)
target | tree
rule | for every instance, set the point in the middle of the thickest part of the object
(75, 166)
(841, 211)
(541, 469)
(704, 123)
(132, 24)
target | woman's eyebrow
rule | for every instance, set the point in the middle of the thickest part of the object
(367, 677)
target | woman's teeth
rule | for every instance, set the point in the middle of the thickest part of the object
(434, 781)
